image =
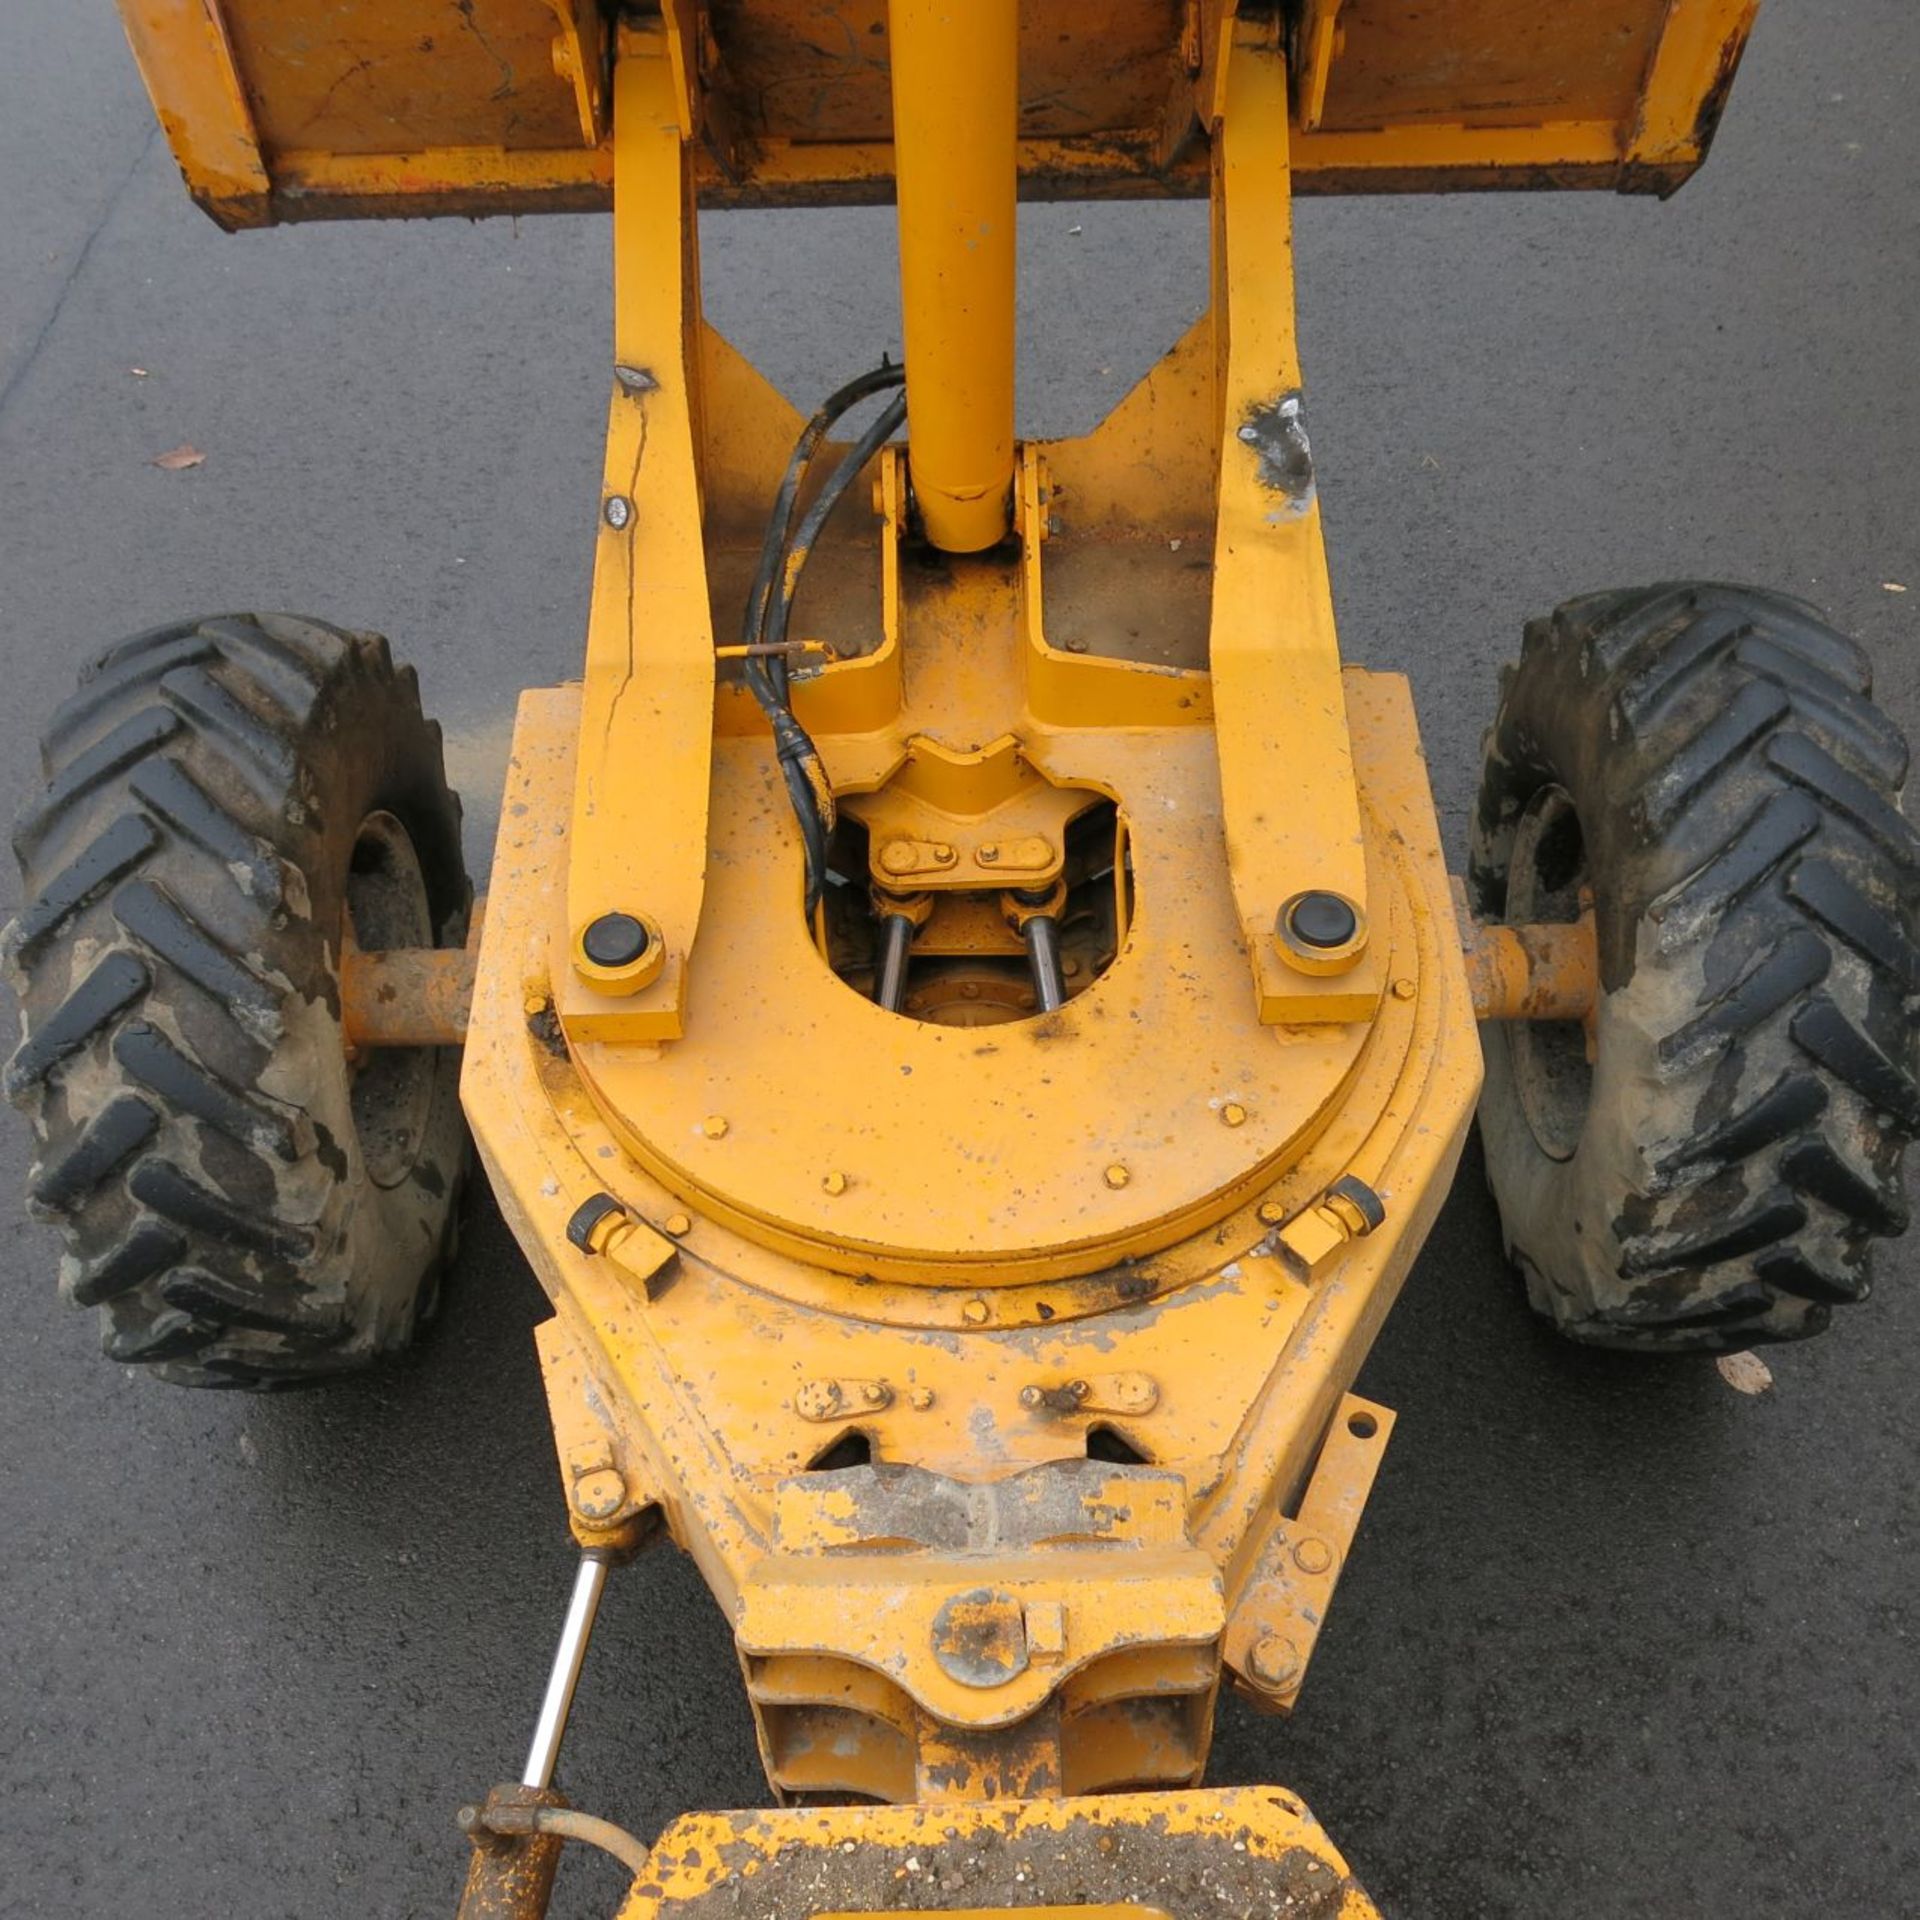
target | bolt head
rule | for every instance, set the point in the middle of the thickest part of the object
(1233, 1114)
(920, 1399)
(1403, 989)
(1031, 1396)
(1312, 1555)
(835, 1182)
(615, 940)
(618, 510)
(714, 1126)
(1322, 920)
(1274, 1661)
(599, 1496)
(1116, 1176)
(975, 1312)
(678, 1223)
(1272, 1213)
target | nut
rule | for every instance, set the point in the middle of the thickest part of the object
(1274, 1661)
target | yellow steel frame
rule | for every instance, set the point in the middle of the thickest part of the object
(1127, 1218)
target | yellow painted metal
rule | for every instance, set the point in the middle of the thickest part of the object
(1546, 972)
(1158, 1856)
(1286, 769)
(1687, 81)
(648, 698)
(705, 1365)
(956, 92)
(187, 62)
(304, 109)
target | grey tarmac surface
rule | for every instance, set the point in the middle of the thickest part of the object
(1615, 1640)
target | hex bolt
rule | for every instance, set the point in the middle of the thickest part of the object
(1320, 919)
(1274, 1660)
(1312, 1555)
(1116, 1176)
(714, 1126)
(616, 940)
(599, 1496)
(1233, 1114)
(618, 510)
(835, 1183)
(678, 1223)
(920, 1398)
(1272, 1213)
(1403, 989)
(876, 1393)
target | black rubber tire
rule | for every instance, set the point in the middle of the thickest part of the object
(1708, 762)
(244, 1205)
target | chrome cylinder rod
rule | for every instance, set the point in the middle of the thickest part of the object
(588, 1585)
(1043, 957)
(896, 942)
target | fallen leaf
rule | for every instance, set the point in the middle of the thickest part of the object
(1745, 1372)
(186, 454)
(1893, 586)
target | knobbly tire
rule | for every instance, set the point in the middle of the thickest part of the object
(244, 1204)
(1707, 764)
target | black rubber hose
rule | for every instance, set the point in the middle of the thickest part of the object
(882, 429)
(780, 523)
(769, 609)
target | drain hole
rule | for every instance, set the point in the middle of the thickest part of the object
(852, 1449)
(1104, 1443)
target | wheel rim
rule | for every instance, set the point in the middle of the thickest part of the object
(392, 1087)
(1547, 881)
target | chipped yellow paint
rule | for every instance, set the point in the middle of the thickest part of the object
(302, 109)
(1255, 1849)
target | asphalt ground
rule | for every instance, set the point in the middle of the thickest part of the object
(1615, 1639)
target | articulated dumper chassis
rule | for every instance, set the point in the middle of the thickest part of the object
(971, 1023)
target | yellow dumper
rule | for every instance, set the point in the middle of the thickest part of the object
(972, 1021)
